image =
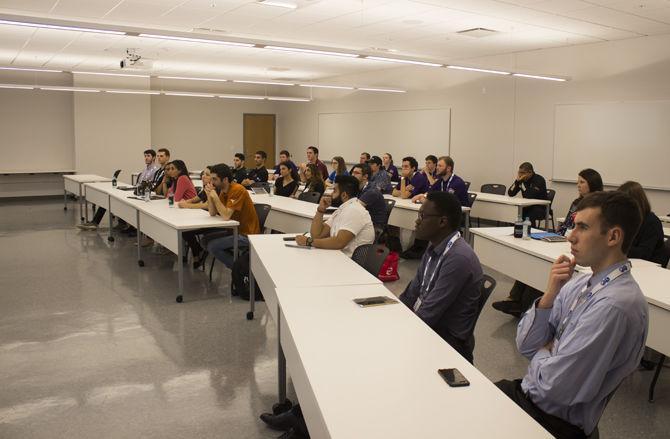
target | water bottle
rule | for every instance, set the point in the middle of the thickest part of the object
(147, 192)
(526, 228)
(114, 181)
(171, 200)
(518, 227)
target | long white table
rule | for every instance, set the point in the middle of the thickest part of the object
(74, 184)
(504, 208)
(404, 215)
(529, 261)
(156, 219)
(372, 372)
(287, 215)
(665, 219)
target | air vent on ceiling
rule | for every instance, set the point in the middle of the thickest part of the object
(477, 32)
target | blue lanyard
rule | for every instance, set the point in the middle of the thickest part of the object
(588, 292)
(448, 183)
(425, 288)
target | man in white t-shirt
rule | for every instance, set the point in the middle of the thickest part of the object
(350, 225)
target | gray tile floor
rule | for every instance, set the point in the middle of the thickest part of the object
(93, 346)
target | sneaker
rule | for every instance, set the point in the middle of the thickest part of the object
(88, 226)
(510, 307)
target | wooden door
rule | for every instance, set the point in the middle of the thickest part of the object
(259, 135)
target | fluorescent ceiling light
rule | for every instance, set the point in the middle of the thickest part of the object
(133, 92)
(388, 90)
(196, 40)
(21, 69)
(404, 61)
(278, 3)
(195, 95)
(548, 78)
(112, 74)
(312, 51)
(262, 82)
(257, 98)
(85, 90)
(58, 27)
(473, 69)
(192, 79)
(20, 87)
(326, 86)
(280, 98)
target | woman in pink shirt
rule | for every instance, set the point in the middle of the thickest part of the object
(182, 187)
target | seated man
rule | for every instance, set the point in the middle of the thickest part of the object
(346, 229)
(284, 157)
(445, 291)
(447, 181)
(412, 182)
(587, 332)
(379, 178)
(363, 159)
(531, 185)
(239, 171)
(259, 174)
(147, 174)
(161, 179)
(430, 169)
(232, 203)
(313, 159)
(369, 196)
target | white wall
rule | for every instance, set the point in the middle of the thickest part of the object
(498, 122)
(201, 131)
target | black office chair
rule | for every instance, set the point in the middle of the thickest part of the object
(262, 211)
(666, 253)
(310, 197)
(389, 208)
(485, 290)
(494, 188)
(264, 184)
(371, 257)
(471, 199)
(117, 172)
(467, 185)
(381, 230)
(550, 196)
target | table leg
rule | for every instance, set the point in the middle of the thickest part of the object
(110, 238)
(80, 199)
(656, 374)
(64, 199)
(281, 362)
(235, 243)
(180, 266)
(546, 218)
(252, 296)
(140, 262)
(466, 227)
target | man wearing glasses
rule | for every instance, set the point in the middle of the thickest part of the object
(446, 288)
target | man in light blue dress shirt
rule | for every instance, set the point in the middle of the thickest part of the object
(587, 332)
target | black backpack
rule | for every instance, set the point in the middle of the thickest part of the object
(239, 284)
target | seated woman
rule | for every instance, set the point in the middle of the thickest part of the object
(200, 200)
(313, 181)
(588, 180)
(339, 168)
(389, 167)
(648, 243)
(522, 295)
(287, 182)
(182, 187)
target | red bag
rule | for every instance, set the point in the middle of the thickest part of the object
(389, 270)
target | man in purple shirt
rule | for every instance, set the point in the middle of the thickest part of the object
(447, 181)
(412, 182)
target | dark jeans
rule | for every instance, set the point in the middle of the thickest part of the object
(524, 294)
(535, 213)
(191, 239)
(558, 427)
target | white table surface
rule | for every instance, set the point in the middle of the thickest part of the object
(372, 373)
(666, 232)
(504, 199)
(665, 219)
(86, 178)
(287, 204)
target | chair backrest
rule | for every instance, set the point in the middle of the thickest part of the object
(472, 198)
(262, 211)
(486, 289)
(666, 253)
(467, 185)
(264, 184)
(389, 207)
(371, 257)
(550, 195)
(311, 197)
(494, 188)
(117, 172)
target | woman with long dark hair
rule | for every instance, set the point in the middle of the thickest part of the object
(287, 182)
(312, 179)
(389, 167)
(648, 243)
(588, 180)
(339, 168)
(182, 187)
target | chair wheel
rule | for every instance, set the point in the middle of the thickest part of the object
(64, 207)
(82, 219)
(180, 298)
(140, 263)
(281, 407)
(110, 238)
(250, 315)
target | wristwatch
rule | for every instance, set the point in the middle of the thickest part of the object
(310, 240)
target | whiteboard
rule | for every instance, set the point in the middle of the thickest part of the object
(400, 132)
(621, 140)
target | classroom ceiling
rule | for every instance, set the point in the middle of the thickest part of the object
(418, 29)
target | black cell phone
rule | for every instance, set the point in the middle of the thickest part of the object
(453, 377)
(289, 238)
(374, 301)
(304, 247)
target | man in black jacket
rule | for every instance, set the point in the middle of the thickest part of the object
(531, 185)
